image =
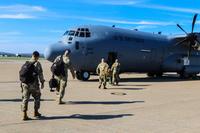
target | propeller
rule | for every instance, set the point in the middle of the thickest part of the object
(191, 38)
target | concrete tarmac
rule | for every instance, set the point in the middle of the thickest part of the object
(138, 105)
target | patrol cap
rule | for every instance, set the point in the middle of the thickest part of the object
(36, 54)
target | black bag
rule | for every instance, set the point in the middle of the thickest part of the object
(57, 68)
(53, 83)
(27, 73)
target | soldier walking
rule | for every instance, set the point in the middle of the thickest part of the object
(61, 66)
(115, 72)
(31, 77)
(102, 71)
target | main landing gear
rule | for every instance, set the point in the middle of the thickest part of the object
(82, 75)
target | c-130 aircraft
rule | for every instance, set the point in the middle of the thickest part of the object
(137, 51)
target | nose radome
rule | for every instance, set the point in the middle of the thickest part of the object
(52, 51)
(47, 53)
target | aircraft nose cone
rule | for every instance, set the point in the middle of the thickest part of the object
(47, 53)
(52, 51)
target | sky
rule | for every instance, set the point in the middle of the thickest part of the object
(28, 25)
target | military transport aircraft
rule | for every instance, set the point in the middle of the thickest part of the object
(137, 51)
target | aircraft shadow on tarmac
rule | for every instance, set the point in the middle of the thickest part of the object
(166, 78)
(20, 100)
(104, 102)
(86, 117)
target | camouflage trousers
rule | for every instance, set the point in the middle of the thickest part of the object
(115, 78)
(102, 80)
(27, 91)
(61, 88)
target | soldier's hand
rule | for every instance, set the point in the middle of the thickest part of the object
(42, 85)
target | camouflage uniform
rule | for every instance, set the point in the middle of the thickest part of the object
(62, 80)
(33, 89)
(102, 71)
(115, 72)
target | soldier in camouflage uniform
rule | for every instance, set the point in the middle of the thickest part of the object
(33, 88)
(102, 71)
(115, 72)
(62, 79)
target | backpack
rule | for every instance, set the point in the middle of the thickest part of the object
(27, 73)
(57, 67)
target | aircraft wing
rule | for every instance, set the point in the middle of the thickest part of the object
(178, 38)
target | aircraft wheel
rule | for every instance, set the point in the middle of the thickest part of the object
(84, 75)
(184, 75)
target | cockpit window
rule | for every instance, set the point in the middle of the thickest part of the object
(77, 33)
(71, 33)
(83, 32)
(88, 34)
(66, 33)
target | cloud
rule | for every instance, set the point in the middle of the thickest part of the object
(141, 27)
(116, 2)
(143, 4)
(114, 21)
(10, 33)
(16, 16)
(22, 8)
(168, 8)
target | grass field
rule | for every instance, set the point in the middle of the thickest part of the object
(16, 58)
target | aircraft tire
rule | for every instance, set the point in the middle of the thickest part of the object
(84, 75)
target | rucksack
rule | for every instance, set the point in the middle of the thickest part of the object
(57, 67)
(27, 73)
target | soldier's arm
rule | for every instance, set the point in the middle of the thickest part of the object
(57, 59)
(97, 70)
(112, 67)
(40, 73)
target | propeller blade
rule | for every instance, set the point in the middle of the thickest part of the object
(194, 21)
(182, 29)
(180, 42)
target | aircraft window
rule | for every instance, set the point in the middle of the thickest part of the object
(82, 34)
(88, 34)
(66, 33)
(71, 33)
(70, 38)
(77, 33)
